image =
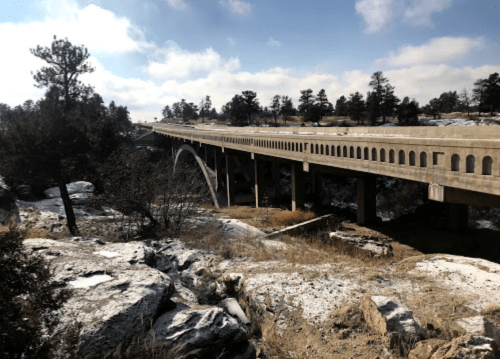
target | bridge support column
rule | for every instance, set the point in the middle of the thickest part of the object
(259, 182)
(230, 181)
(459, 216)
(276, 182)
(297, 187)
(366, 201)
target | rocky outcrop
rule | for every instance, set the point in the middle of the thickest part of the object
(374, 248)
(468, 346)
(480, 326)
(425, 348)
(73, 188)
(115, 294)
(206, 328)
(386, 317)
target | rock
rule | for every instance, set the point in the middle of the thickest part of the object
(114, 291)
(425, 348)
(232, 307)
(468, 346)
(25, 193)
(235, 228)
(386, 317)
(480, 326)
(375, 248)
(73, 188)
(206, 328)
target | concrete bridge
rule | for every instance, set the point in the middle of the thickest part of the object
(460, 164)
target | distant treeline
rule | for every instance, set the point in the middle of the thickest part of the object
(380, 102)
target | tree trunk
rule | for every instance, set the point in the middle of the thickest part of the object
(68, 208)
(383, 117)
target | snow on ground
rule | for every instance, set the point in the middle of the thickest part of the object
(464, 275)
(86, 282)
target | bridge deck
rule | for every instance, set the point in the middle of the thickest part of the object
(459, 157)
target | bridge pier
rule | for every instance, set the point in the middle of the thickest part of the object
(298, 186)
(259, 182)
(366, 201)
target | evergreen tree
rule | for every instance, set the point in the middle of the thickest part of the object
(356, 107)
(287, 108)
(251, 104)
(341, 107)
(408, 111)
(322, 103)
(306, 103)
(276, 107)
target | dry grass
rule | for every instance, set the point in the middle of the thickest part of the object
(290, 219)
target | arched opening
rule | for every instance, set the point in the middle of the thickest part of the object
(312, 148)
(358, 153)
(301, 147)
(333, 150)
(339, 154)
(402, 158)
(345, 151)
(423, 159)
(374, 154)
(470, 162)
(317, 149)
(412, 158)
(455, 163)
(382, 155)
(351, 152)
(487, 165)
(391, 156)
(327, 150)
(322, 149)
(367, 156)
(211, 180)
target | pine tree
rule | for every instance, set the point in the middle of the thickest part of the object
(306, 102)
(322, 102)
(356, 106)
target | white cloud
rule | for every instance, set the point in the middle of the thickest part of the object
(178, 63)
(435, 51)
(177, 4)
(273, 43)
(376, 13)
(421, 10)
(237, 7)
(217, 77)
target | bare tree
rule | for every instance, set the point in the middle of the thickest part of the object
(153, 197)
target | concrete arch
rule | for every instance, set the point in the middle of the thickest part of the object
(207, 172)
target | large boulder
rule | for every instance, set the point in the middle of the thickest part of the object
(386, 317)
(74, 188)
(25, 193)
(480, 326)
(425, 348)
(468, 346)
(206, 328)
(115, 292)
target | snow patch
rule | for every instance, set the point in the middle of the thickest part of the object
(86, 282)
(108, 254)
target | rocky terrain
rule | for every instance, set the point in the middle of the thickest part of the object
(226, 289)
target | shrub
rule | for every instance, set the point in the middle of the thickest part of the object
(29, 324)
(154, 199)
(289, 219)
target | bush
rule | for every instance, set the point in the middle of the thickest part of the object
(289, 219)
(154, 200)
(29, 324)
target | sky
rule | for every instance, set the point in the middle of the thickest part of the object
(151, 53)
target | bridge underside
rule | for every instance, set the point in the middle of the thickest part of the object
(238, 177)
